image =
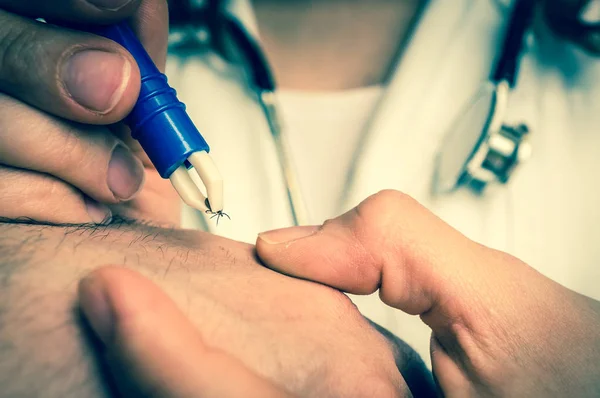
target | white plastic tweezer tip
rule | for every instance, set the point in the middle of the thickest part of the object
(211, 178)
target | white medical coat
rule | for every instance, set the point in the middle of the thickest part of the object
(548, 215)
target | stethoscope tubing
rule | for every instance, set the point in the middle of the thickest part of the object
(507, 68)
(263, 84)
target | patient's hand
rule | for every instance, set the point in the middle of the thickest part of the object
(153, 350)
(306, 338)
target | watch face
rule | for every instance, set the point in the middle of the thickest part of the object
(462, 139)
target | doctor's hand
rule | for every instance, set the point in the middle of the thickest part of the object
(499, 328)
(63, 158)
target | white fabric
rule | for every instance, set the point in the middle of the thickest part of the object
(548, 216)
(324, 130)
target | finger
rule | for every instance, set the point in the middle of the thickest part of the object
(490, 313)
(391, 243)
(421, 266)
(43, 198)
(151, 24)
(150, 341)
(446, 371)
(158, 201)
(87, 157)
(149, 18)
(96, 11)
(71, 74)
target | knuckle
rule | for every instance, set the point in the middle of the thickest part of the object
(75, 148)
(43, 194)
(55, 188)
(20, 48)
(329, 224)
(384, 212)
(50, 193)
(67, 148)
(388, 202)
(378, 226)
(72, 150)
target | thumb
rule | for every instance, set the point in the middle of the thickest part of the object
(491, 315)
(152, 348)
(389, 242)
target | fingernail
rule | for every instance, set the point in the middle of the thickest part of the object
(99, 213)
(109, 5)
(96, 307)
(96, 79)
(286, 235)
(125, 173)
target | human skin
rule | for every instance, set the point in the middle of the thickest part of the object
(40, 268)
(66, 169)
(304, 337)
(499, 327)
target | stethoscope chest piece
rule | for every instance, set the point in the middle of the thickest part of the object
(493, 150)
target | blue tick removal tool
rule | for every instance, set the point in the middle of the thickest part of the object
(166, 132)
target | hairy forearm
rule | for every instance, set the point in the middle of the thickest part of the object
(44, 347)
(238, 306)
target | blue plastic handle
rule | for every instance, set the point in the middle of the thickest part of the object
(158, 120)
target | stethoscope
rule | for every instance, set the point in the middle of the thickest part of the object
(478, 149)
